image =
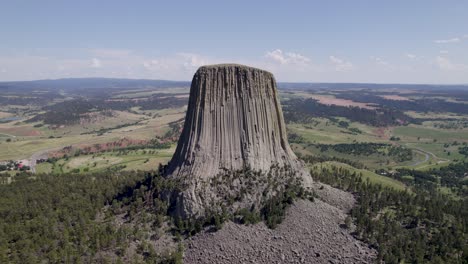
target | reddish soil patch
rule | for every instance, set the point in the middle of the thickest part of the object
(380, 132)
(21, 131)
(396, 97)
(103, 147)
(94, 148)
(33, 133)
(128, 99)
(340, 102)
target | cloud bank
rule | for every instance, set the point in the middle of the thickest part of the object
(289, 65)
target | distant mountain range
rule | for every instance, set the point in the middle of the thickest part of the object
(343, 86)
(94, 83)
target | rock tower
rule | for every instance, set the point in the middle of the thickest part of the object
(234, 140)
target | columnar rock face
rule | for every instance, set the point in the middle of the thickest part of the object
(234, 121)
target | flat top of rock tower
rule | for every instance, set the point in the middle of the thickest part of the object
(231, 65)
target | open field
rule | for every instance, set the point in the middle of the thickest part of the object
(413, 132)
(27, 140)
(5, 114)
(129, 117)
(396, 97)
(416, 114)
(141, 93)
(143, 159)
(371, 176)
(324, 131)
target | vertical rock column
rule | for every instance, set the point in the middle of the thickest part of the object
(234, 121)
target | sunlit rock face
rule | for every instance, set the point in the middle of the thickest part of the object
(234, 124)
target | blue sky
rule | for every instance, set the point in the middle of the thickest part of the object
(316, 41)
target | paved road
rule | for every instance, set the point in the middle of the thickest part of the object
(8, 135)
(427, 155)
(426, 158)
(43, 154)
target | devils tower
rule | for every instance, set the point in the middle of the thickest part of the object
(233, 151)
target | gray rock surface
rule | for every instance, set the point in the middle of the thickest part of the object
(234, 121)
(310, 233)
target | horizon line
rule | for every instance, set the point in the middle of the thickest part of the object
(188, 81)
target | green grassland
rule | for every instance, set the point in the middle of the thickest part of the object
(326, 132)
(367, 175)
(440, 144)
(432, 147)
(412, 132)
(27, 139)
(143, 159)
(372, 162)
(148, 92)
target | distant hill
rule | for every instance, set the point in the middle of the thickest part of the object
(91, 83)
(342, 86)
(120, 83)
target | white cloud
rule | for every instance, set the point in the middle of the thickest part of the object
(380, 61)
(444, 41)
(297, 58)
(286, 66)
(192, 60)
(341, 65)
(443, 52)
(96, 63)
(278, 56)
(410, 56)
(111, 53)
(447, 65)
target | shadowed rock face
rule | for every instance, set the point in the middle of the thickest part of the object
(234, 121)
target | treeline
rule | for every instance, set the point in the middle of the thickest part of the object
(358, 148)
(23, 98)
(72, 111)
(303, 110)
(311, 159)
(452, 124)
(101, 217)
(102, 131)
(53, 219)
(463, 150)
(67, 113)
(425, 104)
(453, 176)
(421, 226)
(153, 102)
(399, 153)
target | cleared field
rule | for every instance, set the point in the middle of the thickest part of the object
(145, 159)
(373, 177)
(24, 148)
(396, 97)
(5, 114)
(328, 99)
(432, 115)
(328, 133)
(375, 161)
(412, 132)
(19, 130)
(44, 168)
(149, 92)
(438, 149)
(27, 139)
